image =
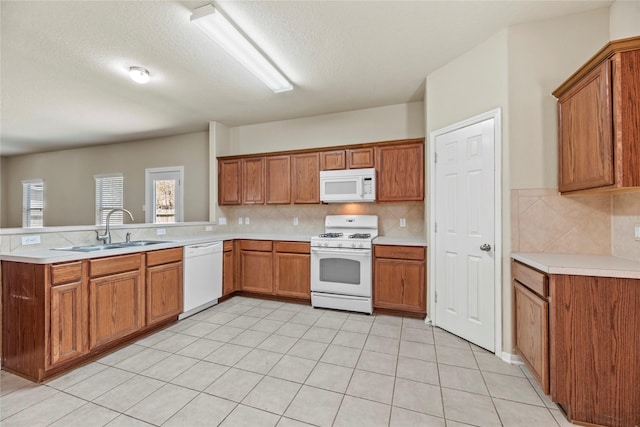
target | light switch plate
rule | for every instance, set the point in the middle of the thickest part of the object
(240, 220)
(636, 233)
(31, 240)
(295, 221)
(161, 231)
(403, 222)
(222, 221)
(246, 221)
(208, 228)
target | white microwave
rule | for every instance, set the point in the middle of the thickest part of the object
(350, 185)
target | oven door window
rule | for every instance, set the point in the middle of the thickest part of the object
(340, 270)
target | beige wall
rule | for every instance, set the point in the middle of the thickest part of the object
(624, 19)
(542, 55)
(70, 187)
(3, 192)
(352, 127)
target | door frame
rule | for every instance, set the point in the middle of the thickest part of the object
(494, 114)
(148, 192)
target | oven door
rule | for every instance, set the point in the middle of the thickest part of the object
(341, 271)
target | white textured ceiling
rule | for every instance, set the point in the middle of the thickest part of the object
(64, 65)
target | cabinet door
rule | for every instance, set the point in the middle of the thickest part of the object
(278, 180)
(68, 322)
(305, 177)
(532, 333)
(399, 285)
(228, 283)
(116, 307)
(253, 181)
(333, 160)
(230, 182)
(359, 158)
(293, 275)
(256, 271)
(400, 173)
(585, 135)
(164, 292)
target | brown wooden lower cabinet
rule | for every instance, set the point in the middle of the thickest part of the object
(55, 316)
(256, 266)
(164, 285)
(292, 269)
(584, 353)
(228, 268)
(399, 278)
(531, 322)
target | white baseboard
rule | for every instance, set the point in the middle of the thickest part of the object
(512, 359)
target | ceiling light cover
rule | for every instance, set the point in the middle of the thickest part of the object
(222, 31)
(139, 75)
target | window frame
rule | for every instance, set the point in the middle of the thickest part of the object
(103, 205)
(156, 174)
(28, 189)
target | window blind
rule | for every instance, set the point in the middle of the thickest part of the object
(33, 203)
(109, 195)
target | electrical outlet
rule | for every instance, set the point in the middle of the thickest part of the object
(161, 231)
(222, 221)
(246, 220)
(240, 220)
(403, 222)
(31, 240)
(636, 233)
(295, 221)
(208, 228)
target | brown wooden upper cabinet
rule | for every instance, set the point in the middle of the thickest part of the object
(305, 177)
(253, 181)
(599, 121)
(400, 172)
(278, 180)
(350, 158)
(230, 182)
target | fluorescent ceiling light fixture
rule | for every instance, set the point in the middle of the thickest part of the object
(217, 26)
(139, 75)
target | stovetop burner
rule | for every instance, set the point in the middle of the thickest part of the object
(331, 235)
(360, 236)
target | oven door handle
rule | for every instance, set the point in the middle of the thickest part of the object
(365, 252)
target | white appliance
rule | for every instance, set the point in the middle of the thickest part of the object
(350, 185)
(341, 263)
(202, 279)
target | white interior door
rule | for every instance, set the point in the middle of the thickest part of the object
(465, 279)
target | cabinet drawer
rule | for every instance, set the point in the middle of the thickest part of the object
(399, 252)
(115, 264)
(164, 256)
(66, 273)
(533, 279)
(228, 245)
(293, 247)
(256, 245)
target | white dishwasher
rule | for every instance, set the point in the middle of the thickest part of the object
(202, 281)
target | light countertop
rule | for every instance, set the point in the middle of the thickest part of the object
(399, 241)
(581, 265)
(49, 256)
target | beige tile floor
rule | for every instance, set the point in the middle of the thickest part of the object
(251, 362)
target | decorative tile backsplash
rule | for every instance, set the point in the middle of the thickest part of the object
(279, 218)
(544, 221)
(626, 215)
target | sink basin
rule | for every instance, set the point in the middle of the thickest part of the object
(139, 243)
(120, 245)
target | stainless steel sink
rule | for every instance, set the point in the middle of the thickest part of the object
(93, 248)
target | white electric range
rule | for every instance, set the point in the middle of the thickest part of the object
(341, 263)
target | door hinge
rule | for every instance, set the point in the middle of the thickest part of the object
(435, 224)
(435, 157)
(436, 296)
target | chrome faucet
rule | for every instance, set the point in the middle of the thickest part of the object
(106, 237)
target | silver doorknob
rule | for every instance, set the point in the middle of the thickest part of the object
(485, 247)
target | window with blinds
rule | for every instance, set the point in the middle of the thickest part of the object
(33, 203)
(109, 195)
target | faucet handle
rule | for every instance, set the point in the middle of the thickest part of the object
(128, 238)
